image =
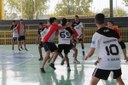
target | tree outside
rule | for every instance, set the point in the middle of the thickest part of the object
(118, 12)
(29, 9)
(72, 7)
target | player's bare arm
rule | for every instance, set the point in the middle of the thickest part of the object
(90, 53)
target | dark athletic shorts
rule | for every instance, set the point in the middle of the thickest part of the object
(21, 38)
(15, 39)
(50, 46)
(41, 44)
(64, 47)
(80, 40)
(104, 74)
(72, 46)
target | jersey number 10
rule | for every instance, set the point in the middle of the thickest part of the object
(112, 49)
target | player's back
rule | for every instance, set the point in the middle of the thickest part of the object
(106, 41)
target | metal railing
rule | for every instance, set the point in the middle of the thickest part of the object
(31, 35)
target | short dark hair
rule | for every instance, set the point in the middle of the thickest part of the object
(76, 16)
(52, 19)
(64, 21)
(99, 18)
(112, 22)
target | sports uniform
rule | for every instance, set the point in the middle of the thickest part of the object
(78, 27)
(48, 39)
(64, 41)
(106, 41)
(21, 31)
(42, 32)
(14, 32)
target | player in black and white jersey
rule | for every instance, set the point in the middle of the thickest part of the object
(106, 41)
(78, 26)
(41, 32)
(64, 41)
(14, 33)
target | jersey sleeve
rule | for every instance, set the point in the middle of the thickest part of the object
(94, 42)
(58, 27)
(69, 30)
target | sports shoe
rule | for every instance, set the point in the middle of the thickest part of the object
(19, 49)
(62, 62)
(42, 70)
(52, 66)
(40, 59)
(26, 49)
(76, 62)
(68, 69)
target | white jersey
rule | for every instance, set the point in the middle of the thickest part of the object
(105, 40)
(43, 33)
(15, 33)
(64, 37)
(78, 27)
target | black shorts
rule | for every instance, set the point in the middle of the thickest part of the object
(80, 40)
(72, 46)
(64, 47)
(104, 74)
(15, 39)
(20, 38)
(50, 46)
(41, 44)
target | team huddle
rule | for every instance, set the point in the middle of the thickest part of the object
(105, 40)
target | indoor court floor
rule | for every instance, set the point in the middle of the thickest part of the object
(22, 68)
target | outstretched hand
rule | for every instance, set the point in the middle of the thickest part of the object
(86, 57)
(126, 58)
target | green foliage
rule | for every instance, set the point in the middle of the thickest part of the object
(29, 8)
(126, 2)
(71, 7)
(118, 12)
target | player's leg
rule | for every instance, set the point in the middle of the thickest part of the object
(24, 42)
(94, 81)
(82, 46)
(40, 51)
(75, 55)
(13, 42)
(60, 48)
(19, 43)
(46, 57)
(120, 81)
(66, 51)
(99, 74)
(44, 61)
(54, 49)
(117, 76)
(67, 61)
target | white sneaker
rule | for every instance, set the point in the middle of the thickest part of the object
(76, 62)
